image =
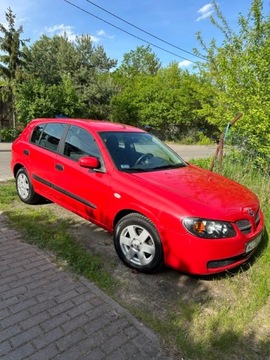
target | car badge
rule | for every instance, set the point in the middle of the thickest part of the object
(249, 211)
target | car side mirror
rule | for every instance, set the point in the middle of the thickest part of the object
(90, 162)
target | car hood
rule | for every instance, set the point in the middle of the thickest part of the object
(201, 191)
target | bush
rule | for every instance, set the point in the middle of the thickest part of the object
(204, 140)
(193, 136)
(243, 151)
(7, 135)
(202, 162)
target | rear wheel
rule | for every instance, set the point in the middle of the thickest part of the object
(25, 189)
(137, 243)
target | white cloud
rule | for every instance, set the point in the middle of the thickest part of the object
(205, 12)
(102, 33)
(184, 63)
(62, 29)
(94, 38)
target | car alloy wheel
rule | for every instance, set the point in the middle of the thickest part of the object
(137, 243)
(24, 187)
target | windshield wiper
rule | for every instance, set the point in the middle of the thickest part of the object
(171, 166)
(135, 169)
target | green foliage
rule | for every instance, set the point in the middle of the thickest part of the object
(11, 59)
(202, 162)
(204, 140)
(7, 135)
(168, 101)
(73, 79)
(239, 73)
(35, 99)
(10, 45)
(142, 60)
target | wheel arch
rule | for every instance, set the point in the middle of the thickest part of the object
(16, 168)
(147, 214)
(122, 213)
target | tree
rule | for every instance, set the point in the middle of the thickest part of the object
(11, 57)
(239, 73)
(36, 99)
(139, 61)
(52, 60)
(169, 101)
(93, 78)
(48, 59)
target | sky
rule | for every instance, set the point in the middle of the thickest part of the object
(175, 22)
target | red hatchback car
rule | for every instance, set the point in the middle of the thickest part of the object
(160, 209)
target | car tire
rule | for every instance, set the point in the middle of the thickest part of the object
(25, 188)
(138, 244)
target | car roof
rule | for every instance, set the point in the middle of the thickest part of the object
(97, 125)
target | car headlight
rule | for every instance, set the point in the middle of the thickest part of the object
(209, 229)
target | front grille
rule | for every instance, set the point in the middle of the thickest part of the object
(244, 226)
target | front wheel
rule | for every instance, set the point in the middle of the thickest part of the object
(25, 189)
(137, 243)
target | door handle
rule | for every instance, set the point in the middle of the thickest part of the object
(59, 167)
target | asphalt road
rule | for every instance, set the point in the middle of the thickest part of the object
(5, 157)
(187, 152)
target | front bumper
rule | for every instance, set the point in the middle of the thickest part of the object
(190, 254)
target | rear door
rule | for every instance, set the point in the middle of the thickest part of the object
(44, 145)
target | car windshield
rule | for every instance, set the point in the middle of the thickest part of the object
(140, 151)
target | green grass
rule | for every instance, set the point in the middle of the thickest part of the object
(230, 321)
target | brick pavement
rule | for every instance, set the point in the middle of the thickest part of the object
(49, 313)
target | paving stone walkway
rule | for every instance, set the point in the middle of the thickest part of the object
(49, 313)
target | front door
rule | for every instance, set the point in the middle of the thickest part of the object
(83, 191)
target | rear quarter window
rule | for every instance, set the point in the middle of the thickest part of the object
(48, 135)
(36, 134)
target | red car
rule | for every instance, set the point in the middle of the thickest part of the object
(160, 209)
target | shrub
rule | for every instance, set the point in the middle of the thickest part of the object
(7, 134)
